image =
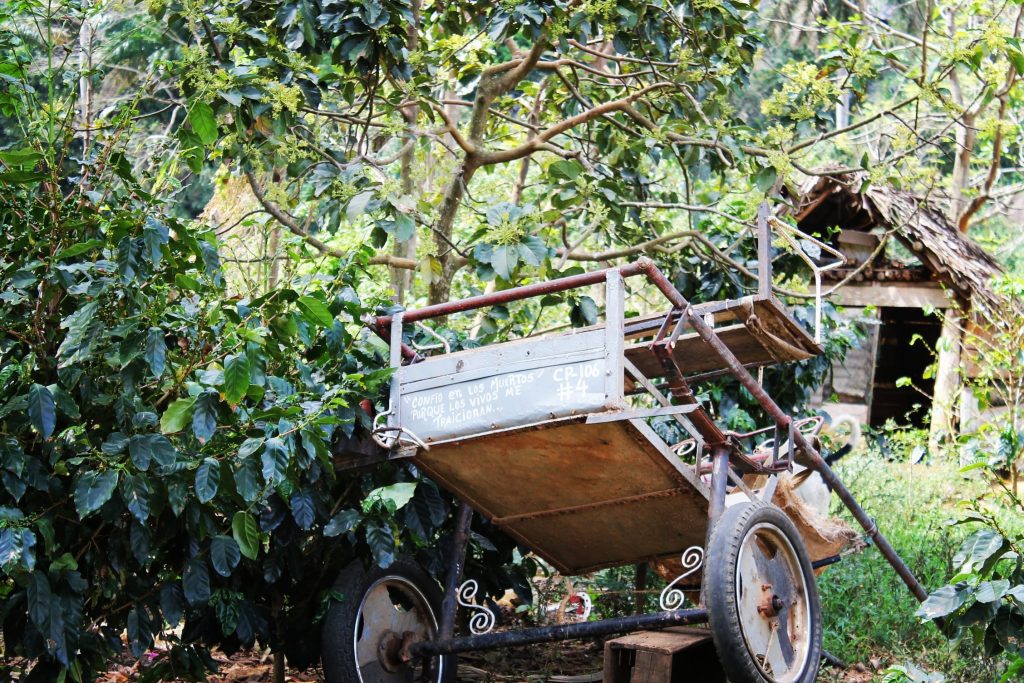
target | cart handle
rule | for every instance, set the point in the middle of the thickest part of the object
(642, 266)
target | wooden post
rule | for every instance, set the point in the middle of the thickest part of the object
(947, 382)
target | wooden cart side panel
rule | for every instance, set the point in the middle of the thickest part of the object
(501, 387)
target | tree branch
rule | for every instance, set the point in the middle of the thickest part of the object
(282, 217)
(531, 146)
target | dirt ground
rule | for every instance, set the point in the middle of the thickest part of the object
(570, 662)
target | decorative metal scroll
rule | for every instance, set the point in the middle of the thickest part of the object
(483, 619)
(671, 597)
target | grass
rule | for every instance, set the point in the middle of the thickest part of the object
(868, 612)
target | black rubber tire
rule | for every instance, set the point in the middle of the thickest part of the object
(721, 594)
(337, 637)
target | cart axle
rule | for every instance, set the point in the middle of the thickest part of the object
(549, 634)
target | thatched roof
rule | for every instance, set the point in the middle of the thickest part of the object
(920, 224)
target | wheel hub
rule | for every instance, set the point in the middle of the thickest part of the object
(393, 649)
(388, 651)
(771, 605)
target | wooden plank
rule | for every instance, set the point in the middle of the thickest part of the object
(669, 641)
(581, 496)
(674, 655)
(892, 295)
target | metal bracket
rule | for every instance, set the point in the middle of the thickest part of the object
(672, 598)
(641, 413)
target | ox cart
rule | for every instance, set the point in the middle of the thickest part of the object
(568, 417)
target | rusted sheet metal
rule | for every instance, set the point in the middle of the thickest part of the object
(619, 495)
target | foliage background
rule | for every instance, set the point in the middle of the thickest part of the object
(200, 201)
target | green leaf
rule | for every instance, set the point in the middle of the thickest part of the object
(78, 249)
(533, 251)
(21, 177)
(357, 205)
(163, 451)
(196, 582)
(177, 415)
(187, 282)
(135, 493)
(765, 178)
(204, 123)
(20, 158)
(990, 591)
(504, 259)
(944, 601)
(246, 533)
(156, 350)
(394, 496)
(566, 169)
(584, 312)
(275, 461)
(42, 410)
(140, 451)
(236, 377)
(92, 490)
(342, 523)
(381, 540)
(1016, 58)
(249, 446)
(204, 415)
(39, 599)
(224, 554)
(979, 548)
(247, 480)
(303, 509)
(314, 311)
(207, 480)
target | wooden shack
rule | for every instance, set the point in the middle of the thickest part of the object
(905, 258)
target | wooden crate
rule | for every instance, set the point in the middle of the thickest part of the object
(674, 655)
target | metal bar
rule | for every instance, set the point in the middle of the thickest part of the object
(396, 352)
(615, 340)
(764, 252)
(550, 634)
(712, 374)
(658, 396)
(641, 413)
(826, 561)
(769, 490)
(816, 461)
(456, 563)
(719, 479)
(681, 391)
(517, 293)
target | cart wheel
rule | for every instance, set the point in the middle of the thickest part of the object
(762, 599)
(383, 611)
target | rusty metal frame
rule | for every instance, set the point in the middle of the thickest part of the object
(724, 447)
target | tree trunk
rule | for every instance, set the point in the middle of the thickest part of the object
(279, 669)
(85, 40)
(401, 278)
(966, 137)
(947, 384)
(441, 285)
